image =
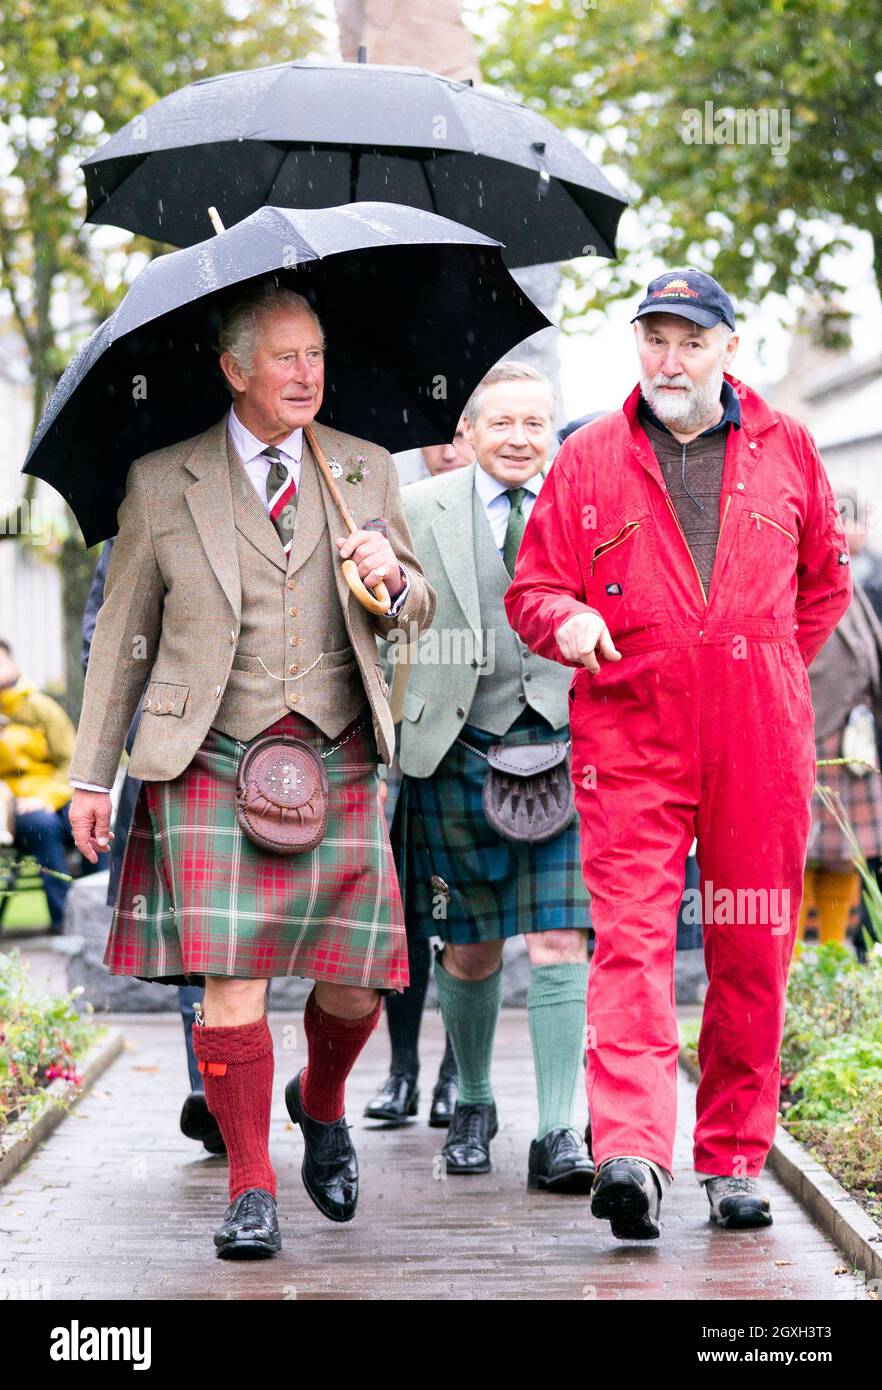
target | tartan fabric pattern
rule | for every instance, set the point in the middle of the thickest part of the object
(197, 897)
(862, 799)
(497, 889)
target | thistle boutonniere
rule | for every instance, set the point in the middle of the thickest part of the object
(359, 472)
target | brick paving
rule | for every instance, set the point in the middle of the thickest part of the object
(118, 1204)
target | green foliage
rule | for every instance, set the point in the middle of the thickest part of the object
(760, 216)
(830, 1087)
(830, 995)
(41, 1038)
(852, 1149)
(68, 73)
(832, 1065)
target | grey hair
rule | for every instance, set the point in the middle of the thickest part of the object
(503, 371)
(238, 326)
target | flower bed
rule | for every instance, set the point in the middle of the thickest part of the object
(42, 1038)
(831, 1066)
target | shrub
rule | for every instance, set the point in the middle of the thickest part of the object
(830, 1088)
(41, 1037)
(829, 993)
(852, 1150)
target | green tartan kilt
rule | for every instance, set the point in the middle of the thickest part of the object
(198, 898)
(463, 882)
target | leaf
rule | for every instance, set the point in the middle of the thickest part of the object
(635, 71)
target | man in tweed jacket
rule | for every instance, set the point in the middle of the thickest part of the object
(225, 596)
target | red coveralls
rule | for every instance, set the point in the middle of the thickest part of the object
(703, 729)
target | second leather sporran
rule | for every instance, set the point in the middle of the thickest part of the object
(528, 792)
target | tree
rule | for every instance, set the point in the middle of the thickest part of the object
(750, 133)
(433, 33)
(69, 72)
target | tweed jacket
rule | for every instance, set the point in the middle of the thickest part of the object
(173, 602)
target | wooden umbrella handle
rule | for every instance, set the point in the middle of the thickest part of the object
(374, 600)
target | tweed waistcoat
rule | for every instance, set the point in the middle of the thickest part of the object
(292, 634)
(519, 679)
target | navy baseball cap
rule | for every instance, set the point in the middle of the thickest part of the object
(691, 294)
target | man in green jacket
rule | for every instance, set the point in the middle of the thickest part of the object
(473, 684)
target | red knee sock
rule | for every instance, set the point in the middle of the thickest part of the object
(237, 1067)
(333, 1045)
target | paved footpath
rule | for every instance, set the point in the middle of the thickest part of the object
(118, 1204)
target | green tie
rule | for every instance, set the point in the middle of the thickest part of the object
(514, 531)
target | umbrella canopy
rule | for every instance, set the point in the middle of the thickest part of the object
(312, 135)
(415, 310)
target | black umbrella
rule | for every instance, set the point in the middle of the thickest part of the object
(312, 135)
(415, 310)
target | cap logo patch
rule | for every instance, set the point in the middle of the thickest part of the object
(677, 288)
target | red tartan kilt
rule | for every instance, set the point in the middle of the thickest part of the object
(198, 898)
(862, 801)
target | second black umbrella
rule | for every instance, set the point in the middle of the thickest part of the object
(312, 135)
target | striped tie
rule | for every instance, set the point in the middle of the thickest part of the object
(281, 496)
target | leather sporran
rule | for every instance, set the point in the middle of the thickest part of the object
(282, 795)
(528, 792)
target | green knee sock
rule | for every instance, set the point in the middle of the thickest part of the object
(470, 1009)
(556, 1013)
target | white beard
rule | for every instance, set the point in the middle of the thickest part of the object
(687, 410)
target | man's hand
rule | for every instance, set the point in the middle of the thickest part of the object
(375, 559)
(584, 638)
(90, 823)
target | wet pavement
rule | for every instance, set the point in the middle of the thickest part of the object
(119, 1205)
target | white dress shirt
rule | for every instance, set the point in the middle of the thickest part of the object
(497, 504)
(257, 466)
(250, 450)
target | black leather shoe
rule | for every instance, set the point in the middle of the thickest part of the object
(396, 1101)
(444, 1101)
(250, 1229)
(627, 1194)
(558, 1163)
(330, 1164)
(197, 1122)
(467, 1149)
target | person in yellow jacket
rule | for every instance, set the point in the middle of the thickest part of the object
(36, 746)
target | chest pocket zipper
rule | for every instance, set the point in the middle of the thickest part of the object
(627, 530)
(758, 517)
